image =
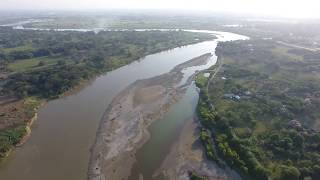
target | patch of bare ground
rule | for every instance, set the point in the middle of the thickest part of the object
(12, 112)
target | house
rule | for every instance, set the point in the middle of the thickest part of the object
(232, 96)
(307, 101)
(295, 124)
(206, 75)
(3, 76)
(248, 93)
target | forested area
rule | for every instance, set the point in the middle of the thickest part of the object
(47, 63)
(261, 111)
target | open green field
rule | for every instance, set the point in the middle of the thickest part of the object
(33, 63)
(26, 47)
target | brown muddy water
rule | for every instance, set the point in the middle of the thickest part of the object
(59, 146)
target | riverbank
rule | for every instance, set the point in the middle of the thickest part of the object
(25, 138)
(187, 156)
(123, 128)
(16, 118)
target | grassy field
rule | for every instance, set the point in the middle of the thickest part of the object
(26, 47)
(32, 64)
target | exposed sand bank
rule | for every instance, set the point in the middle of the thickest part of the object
(28, 130)
(123, 128)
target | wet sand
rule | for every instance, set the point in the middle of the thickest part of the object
(123, 128)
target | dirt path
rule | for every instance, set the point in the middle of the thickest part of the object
(216, 70)
(298, 46)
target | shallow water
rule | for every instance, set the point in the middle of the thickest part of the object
(164, 132)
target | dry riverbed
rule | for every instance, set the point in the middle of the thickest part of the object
(123, 128)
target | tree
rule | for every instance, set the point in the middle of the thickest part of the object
(41, 63)
(261, 173)
(316, 172)
(289, 173)
(61, 63)
(4, 146)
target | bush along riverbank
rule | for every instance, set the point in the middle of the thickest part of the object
(17, 133)
(260, 118)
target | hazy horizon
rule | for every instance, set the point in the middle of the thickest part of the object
(285, 8)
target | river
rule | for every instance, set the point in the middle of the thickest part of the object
(59, 147)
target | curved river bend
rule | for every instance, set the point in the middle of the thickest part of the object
(59, 147)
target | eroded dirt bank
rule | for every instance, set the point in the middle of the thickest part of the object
(123, 128)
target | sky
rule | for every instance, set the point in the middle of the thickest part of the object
(284, 8)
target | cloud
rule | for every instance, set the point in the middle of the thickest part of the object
(297, 8)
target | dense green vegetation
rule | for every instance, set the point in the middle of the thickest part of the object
(262, 111)
(194, 176)
(47, 63)
(201, 80)
(9, 138)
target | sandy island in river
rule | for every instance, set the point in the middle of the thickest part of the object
(123, 128)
